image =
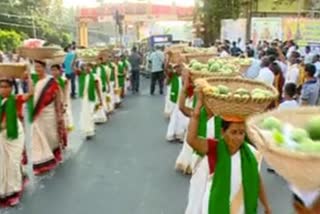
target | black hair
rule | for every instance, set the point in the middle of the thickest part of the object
(8, 81)
(272, 51)
(57, 66)
(295, 54)
(290, 89)
(134, 49)
(225, 125)
(234, 43)
(275, 68)
(310, 69)
(40, 62)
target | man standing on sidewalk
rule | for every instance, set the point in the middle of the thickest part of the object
(157, 69)
(135, 61)
(69, 63)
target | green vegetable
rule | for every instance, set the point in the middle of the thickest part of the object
(271, 123)
(313, 128)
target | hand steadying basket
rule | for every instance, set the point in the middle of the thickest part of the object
(299, 169)
(231, 105)
(12, 70)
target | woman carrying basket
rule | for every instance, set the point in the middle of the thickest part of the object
(12, 140)
(188, 159)
(234, 184)
(49, 134)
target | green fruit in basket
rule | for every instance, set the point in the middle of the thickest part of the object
(204, 70)
(223, 89)
(214, 67)
(257, 90)
(309, 146)
(192, 62)
(197, 66)
(211, 61)
(299, 135)
(271, 123)
(278, 137)
(242, 91)
(258, 95)
(227, 71)
(313, 128)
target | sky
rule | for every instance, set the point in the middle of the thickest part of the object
(92, 3)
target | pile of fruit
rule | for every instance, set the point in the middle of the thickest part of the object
(305, 139)
(222, 66)
(90, 52)
(240, 93)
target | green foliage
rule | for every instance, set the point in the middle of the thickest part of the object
(9, 40)
(51, 21)
(212, 12)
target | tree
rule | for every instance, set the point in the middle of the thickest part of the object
(42, 18)
(9, 40)
(212, 12)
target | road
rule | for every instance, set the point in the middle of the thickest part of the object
(128, 168)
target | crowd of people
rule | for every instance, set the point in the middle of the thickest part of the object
(294, 75)
(46, 91)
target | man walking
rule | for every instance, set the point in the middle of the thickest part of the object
(69, 62)
(157, 69)
(135, 62)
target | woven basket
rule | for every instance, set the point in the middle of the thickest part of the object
(88, 59)
(200, 57)
(175, 57)
(231, 106)
(38, 53)
(300, 169)
(198, 74)
(12, 70)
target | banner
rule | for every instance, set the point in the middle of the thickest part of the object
(266, 29)
(304, 31)
(234, 30)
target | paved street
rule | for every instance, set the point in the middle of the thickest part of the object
(128, 168)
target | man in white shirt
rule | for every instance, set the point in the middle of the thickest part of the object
(292, 74)
(316, 62)
(157, 69)
(265, 74)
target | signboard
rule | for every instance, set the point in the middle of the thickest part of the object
(234, 30)
(304, 31)
(266, 29)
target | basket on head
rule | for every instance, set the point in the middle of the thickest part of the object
(200, 57)
(235, 106)
(175, 57)
(39, 53)
(12, 70)
(200, 74)
(88, 59)
(300, 169)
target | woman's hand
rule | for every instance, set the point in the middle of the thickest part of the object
(267, 210)
(186, 79)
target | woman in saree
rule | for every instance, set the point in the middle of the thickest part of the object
(187, 158)
(89, 92)
(12, 140)
(233, 183)
(169, 106)
(114, 83)
(100, 114)
(64, 86)
(48, 131)
(103, 71)
(178, 122)
(122, 75)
